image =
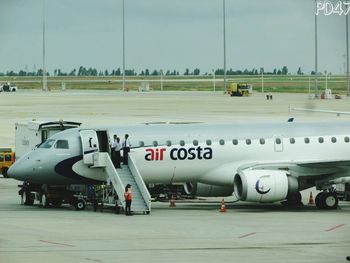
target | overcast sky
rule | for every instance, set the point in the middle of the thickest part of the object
(169, 34)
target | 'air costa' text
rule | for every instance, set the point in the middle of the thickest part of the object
(179, 154)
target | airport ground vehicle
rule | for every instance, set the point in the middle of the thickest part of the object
(240, 89)
(30, 134)
(8, 87)
(54, 196)
(7, 158)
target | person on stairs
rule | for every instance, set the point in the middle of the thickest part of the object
(113, 145)
(117, 149)
(126, 149)
(128, 200)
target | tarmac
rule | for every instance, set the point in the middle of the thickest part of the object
(190, 232)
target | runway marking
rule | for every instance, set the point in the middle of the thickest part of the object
(334, 228)
(247, 235)
(56, 243)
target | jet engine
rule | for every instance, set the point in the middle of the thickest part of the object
(264, 186)
(207, 190)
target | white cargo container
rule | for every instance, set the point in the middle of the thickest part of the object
(30, 134)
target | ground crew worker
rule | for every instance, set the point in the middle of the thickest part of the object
(126, 148)
(128, 200)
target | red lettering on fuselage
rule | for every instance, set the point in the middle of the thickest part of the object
(155, 154)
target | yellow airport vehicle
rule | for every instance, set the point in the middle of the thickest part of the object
(240, 89)
(7, 158)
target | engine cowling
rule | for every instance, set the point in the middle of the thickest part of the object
(207, 190)
(264, 186)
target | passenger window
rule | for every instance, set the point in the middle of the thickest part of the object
(248, 141)
(292, 140)
(61, 144)
(278, 140)
(334, 140)
(182, 143)
(195, 142)
(262, 141)
(320, 140)
(234, 142)
(141, 143)
(155, 143)
(168, 143)
(48, 144)
(208, 142)
(346, 139)
(307, 140)
(222, 142)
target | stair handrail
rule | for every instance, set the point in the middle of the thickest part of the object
(118, 185)
(139, 181)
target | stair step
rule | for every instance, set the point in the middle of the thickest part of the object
(125, 176)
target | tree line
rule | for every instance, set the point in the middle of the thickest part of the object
(83, 71)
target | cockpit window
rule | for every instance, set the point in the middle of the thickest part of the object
(62, 144)
(48, 144)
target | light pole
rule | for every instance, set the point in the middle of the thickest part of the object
(123, 46)
(347, 55)
(161, 79)
(44, 51)
(309, 86)
(214, 84)
(316, 80)
(262, 80)
(224, 32)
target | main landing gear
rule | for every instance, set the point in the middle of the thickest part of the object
(327, 200)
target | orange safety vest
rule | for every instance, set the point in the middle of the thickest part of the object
(128, 196)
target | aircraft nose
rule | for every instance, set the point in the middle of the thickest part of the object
(11, 171)
(15, 171)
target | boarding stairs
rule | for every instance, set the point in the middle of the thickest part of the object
(119, 178)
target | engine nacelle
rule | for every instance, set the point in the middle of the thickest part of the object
(207, 190)
(264, 186)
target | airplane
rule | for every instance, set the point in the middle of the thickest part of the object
(258, 162)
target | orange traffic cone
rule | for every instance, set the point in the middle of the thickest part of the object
(311, 199)
(172, 201)
(223, 207)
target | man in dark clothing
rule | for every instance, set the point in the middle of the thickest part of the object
(126, 149)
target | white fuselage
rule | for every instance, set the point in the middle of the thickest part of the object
(206, 153)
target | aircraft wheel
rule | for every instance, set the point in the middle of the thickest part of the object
(117, 209)
(44, 201)
(79, 204)
(326, 200)
(318, 200)
(28, 198)
(4, 172)
(331, 201)
(95, 205)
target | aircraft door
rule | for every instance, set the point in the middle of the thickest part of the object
(278, 142)
(90, 145)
